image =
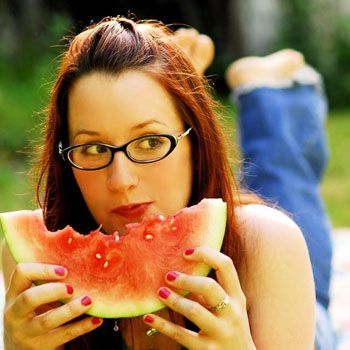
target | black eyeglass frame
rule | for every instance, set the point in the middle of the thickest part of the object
(174, 140)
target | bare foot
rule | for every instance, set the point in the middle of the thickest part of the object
(198, 47)
(263, 70)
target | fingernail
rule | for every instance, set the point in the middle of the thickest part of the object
(189, 251)
(60, 271)
(69, 289)
(148, 318)
(86, 300)
(172, 276)
(96, 320)
(163, 292)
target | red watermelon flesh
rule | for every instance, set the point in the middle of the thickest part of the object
(121, 273)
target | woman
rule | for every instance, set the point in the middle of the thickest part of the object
(120, 81)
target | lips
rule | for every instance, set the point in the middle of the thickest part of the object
(131, 211)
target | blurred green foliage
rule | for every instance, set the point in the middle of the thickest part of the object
(25, 79)
(15, 188)
(321, 32)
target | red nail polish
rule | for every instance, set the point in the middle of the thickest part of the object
(172, 276)
(96, 320)
(69, 289)
(163, 292)
(86, 300)
(60, 271)
(148, 319)
(189, 251)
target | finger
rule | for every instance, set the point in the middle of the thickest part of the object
(32, 298)
(198, 298)
(183, 336)
(26, 273)
(46, 307)
(71, 331)
(193, 311)
(226, 273)
(211, 290)
(59, 316)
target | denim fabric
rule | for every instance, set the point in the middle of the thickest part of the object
(284, 149)
(325, 338)
(285, 153)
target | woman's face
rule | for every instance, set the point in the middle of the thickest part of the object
(117, 109)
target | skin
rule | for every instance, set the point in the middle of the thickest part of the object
(271, 302)
(115, 110)
(198, 47)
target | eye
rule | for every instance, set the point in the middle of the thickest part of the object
(150, 143)
(93, 149)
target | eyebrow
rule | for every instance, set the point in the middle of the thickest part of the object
(135, 127)
(146, 123)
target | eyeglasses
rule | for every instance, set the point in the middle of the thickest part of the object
(144, 149)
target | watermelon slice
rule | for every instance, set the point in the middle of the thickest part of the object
(121, 273)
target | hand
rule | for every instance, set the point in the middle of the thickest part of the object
(227, 328)
(33, 318)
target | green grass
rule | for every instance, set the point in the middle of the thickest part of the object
(336, 184)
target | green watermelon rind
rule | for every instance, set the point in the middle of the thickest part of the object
(214, 239)
(7, 223)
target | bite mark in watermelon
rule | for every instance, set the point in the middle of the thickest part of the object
(121, 273)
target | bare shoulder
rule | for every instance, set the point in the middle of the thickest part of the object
(278, 282)
(256, 216)
(271, 240)
(267, 228)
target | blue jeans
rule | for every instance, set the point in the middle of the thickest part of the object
(285, 152)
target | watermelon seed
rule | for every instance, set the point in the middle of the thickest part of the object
(148, 237)
(98, 256)
(161, 217)
(117, 238)
(105, 264)
(70, 239)
(174, 228)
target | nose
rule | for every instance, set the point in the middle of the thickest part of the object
(122, 173)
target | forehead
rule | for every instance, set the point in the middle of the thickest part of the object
(114, 104)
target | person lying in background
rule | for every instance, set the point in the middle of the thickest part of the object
(282, 110)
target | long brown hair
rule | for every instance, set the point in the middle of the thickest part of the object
(112, 46)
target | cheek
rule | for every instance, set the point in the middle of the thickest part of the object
(89, 184)
(172, 181)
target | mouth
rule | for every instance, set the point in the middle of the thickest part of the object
(131, 211)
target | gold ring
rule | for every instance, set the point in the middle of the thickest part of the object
(223, 303)
(151, 332)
